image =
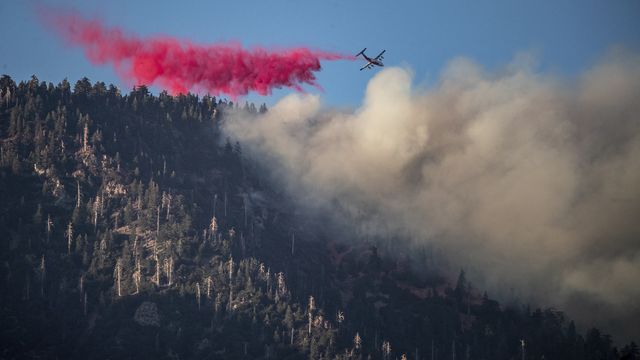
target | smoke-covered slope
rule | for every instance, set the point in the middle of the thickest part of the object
(528, 180)
(130, 228)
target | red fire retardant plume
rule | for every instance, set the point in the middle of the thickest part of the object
(180, 66)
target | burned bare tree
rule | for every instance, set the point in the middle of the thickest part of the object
(168, 270)
(198, 297)
(117, 273)
(49, 227)
(137, 276)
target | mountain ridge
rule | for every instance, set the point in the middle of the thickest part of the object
(115, 205)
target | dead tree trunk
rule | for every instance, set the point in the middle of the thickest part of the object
(69, 237)
(118, 275)
(43, 275)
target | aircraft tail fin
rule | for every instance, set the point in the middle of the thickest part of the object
(361, 52)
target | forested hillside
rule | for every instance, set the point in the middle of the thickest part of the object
(130, 227)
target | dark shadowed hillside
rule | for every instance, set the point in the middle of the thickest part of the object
(131, 228)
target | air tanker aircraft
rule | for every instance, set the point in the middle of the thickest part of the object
(377, 61)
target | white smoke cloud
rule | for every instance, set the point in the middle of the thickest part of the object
(526, 179)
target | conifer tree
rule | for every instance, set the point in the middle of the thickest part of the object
(49, 227)
(43, 275)
(69, 234)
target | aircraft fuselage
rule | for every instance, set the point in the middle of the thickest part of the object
(377, 61)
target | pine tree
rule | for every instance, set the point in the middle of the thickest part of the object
(386, 349)
(357, 342)
(43, 275)
(311, 307)
(209, 283)
(49, 227)
(69, 234)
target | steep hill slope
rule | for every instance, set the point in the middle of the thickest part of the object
(130, 228)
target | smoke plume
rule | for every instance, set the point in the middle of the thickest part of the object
(180, 65)
(526, 180)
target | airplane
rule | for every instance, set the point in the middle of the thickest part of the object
(377, 61)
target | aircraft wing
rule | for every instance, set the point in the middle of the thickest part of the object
(380, 57)
(368, 66)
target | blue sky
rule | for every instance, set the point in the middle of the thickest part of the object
(566, 36)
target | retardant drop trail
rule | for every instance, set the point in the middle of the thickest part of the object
(181, 65)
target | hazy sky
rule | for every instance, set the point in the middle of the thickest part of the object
(566, 36)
